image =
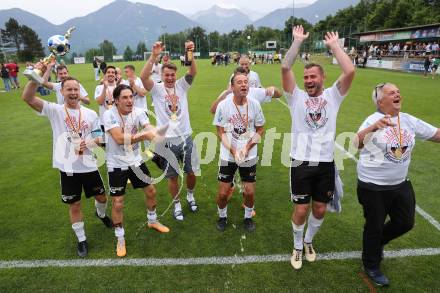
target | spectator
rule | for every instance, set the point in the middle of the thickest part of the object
(13, 70)
(5, 76)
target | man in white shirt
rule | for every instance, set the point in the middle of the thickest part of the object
(239, 122)
(314, 113)
(104, 92)
(62, 74)
(140, 99)
(170, 99)
(254, 78)
(386, 139)
(75, 131)
(124, 160)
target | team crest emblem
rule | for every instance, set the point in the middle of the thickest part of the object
(316, 114)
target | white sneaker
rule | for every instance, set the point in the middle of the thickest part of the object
(296, 259)
(178, 215)
(309, 252)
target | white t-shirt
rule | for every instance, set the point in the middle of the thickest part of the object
(122, 156)
(108, 98)
(162, 107)
(234, 124)
(253, 79)
(139, 101)
(314, 124)
(258, 94)
(378, 162)
(156, 72)
(60, 97)
(64, 156)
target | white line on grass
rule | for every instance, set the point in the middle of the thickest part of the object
(216, 260)
(424, 214)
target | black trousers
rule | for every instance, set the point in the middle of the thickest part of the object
(378, 202)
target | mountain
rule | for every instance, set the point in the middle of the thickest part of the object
(122, 22)
(313, 13)
(221, 19)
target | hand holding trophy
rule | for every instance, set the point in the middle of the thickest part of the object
(58, 45)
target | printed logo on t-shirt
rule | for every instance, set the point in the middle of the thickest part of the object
(73, 131)
(316, 114)
(394, 153)
(236, 125)
(172, 105)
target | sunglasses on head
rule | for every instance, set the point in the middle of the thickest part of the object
(379, 86)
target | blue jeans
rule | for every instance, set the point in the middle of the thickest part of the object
(6, 82)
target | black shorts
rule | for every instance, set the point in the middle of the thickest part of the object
(72, 185)
(312, 180)
(227, 171)
(140, 177)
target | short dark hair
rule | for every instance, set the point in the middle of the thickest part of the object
(61, 67)
(117, 91)
(311, 65)
(108, 67)
(238, 71)
(67, 79)
(170, 66)
(129, 66)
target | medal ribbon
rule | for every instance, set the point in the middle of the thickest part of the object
(72, 125)
(398, 135)
(241, 118)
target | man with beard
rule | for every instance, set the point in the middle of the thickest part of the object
(170, 99)
(139, 92)
(104, 92)
(75, 131)
(62, 74)
(314, 113)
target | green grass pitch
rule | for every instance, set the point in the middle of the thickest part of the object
(34, 223)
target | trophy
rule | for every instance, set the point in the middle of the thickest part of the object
(58, 45)
(189, 56)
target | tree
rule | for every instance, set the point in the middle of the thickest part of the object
(141, 48)
(108, 50)
(90, 53)
(32, 47)
(128, 54)
(13, 32)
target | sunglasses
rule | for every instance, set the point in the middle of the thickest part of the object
(379, 86)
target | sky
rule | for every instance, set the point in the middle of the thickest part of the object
(56, 12)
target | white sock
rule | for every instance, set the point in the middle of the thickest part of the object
(100, 208)
(152, 216)
(119, 233)
(78, 228)
(177, 206)
(298, 232)
(313, 225)
(190, 195)
(223, 213)
(248, 212)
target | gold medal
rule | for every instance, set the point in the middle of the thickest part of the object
(398, 152)
(174, 116)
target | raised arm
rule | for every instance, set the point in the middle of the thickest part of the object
(101, 98)
(192, 71)
(46, 75)
(287, 76)
(344, 61)
(146, 70)
(29, 96)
